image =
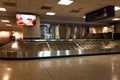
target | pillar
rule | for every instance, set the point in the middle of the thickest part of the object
(32, 31)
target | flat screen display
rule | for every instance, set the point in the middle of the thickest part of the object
(25, 19)
(100, 14)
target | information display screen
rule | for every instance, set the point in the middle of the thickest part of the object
(99, 14)
(26, 19)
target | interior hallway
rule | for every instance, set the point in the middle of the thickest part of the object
(102, 67)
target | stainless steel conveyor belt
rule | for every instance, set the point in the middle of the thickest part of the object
(43, 49)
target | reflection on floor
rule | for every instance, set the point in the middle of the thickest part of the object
(38, 49)
(105, 67)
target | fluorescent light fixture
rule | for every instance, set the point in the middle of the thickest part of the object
(5, 21)
(116, 19)
(2, 9)
(50, 13)
(8, 24)
(84, 17)
(65, 2)
(117, 8)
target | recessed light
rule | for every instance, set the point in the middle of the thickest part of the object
(65, 2)
(2, 9)
(5, 21)
(8, 24)
(117, 8)
(50, 13)
(116, 19)
(9, 69)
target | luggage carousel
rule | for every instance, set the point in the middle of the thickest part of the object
(36, 49)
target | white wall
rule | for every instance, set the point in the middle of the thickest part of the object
(4, 37)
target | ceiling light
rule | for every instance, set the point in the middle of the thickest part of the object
(2, 9)
(116, 19)
(117, 8)
(5, 21)
(84, 17)
(65, 2)
(50, 13)
(8, 24)
(9, 69)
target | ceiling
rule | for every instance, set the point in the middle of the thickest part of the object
(75, 11)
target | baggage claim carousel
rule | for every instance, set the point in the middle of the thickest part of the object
(35, 49)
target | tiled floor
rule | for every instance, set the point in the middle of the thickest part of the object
(104, 67)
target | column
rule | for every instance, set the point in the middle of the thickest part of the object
(32, 31)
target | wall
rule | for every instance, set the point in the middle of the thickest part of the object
(117, 27)
(101, 29)
(4, 37)
(18, 35)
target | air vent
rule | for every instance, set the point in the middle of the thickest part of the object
(75, 11)
(46, 7)
(9, 4)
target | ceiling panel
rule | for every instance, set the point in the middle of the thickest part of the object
(50, 3)
(3, 13)
(58, 8)
(42, 12)
(12, 14)
(1, 4)
(23, 5)
(11, 1)
(11, 8)
(35, 6)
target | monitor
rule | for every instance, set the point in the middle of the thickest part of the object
(25, 19)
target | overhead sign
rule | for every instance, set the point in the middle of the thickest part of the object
(99, 14)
